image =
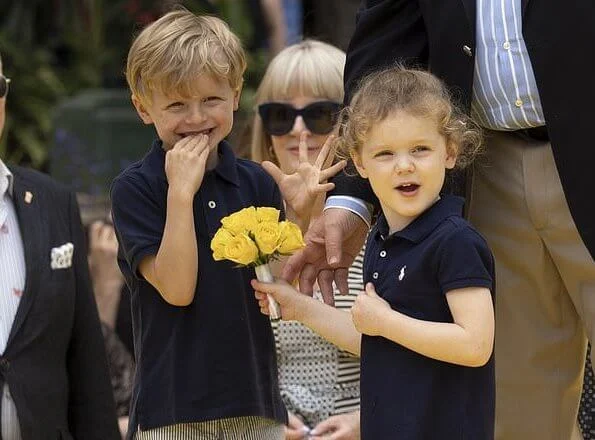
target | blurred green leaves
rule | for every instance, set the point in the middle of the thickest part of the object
(54, 49)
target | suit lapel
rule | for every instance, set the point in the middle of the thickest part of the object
(30, 221)
(524, 4)
(470, 8)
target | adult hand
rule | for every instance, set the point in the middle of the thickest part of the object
(368, 311)
(301, 188)
(339, 427)
(295, 429)
(333, 241)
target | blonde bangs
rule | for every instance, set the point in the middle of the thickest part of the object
(171, 53)
(310, 68)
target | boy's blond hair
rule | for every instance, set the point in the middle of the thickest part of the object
(170, 53)
(310, 68)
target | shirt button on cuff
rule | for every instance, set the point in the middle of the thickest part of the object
(375, 275)
(211, 204)
(383, 254)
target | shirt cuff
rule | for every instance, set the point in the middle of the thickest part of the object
(353, 204)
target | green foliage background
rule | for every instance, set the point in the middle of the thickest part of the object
(53, 49)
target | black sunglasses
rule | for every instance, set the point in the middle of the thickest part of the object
(278, 118)
(4, 81)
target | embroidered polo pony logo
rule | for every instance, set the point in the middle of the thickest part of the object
(402, 273)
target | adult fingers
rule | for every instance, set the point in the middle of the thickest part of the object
(273, 170)
(303, 148)
(341, 275)
(307, 279)
(324, 152)
(325, 282)
(333, 239)
(331, 171)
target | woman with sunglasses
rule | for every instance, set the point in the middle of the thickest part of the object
(299, 99)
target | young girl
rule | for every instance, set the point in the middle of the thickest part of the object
(425, 325)
(299, 100)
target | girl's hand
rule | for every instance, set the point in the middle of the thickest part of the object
(368, 311)
(300, 189)
(288, 298)
(339, 427)
(295, 429)
(185, 164)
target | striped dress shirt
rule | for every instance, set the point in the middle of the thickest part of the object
(12, 284)
(505, 95)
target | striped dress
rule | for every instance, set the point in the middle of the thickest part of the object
(317, 379)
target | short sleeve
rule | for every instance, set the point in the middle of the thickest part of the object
(465, 260)
(139, 220)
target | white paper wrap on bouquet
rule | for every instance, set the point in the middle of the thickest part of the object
(263, 273)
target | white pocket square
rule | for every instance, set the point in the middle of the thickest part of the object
(61, 257)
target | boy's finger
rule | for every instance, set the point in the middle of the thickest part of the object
(182, 143)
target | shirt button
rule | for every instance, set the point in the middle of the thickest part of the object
(375, 275)
(506, 45)
(211, 204)
(383, 254)
(518, 103)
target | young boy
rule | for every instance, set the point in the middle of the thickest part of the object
(206, 365)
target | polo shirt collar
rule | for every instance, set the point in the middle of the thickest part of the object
(226, 165)
(6, 180)
(423, 225)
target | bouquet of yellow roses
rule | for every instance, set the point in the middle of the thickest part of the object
(253, 237)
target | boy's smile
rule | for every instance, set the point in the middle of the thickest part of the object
(405, 159)
(208, 111)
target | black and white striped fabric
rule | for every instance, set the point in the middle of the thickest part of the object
(317, 379)
(236, 428)
(586, 413)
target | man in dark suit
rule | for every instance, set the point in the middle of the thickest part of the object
(523, 68)
(53, 370)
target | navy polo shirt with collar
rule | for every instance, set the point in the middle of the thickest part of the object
(405, 395)
(214, 358)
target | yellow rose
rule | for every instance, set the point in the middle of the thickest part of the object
(266, 214)
(291, 238)
(241, 249)
(267, 236)
(241, 221)
(219, 242)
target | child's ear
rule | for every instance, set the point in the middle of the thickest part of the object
(141, 110)
(452, 151)
(236, 97)
(357, 161)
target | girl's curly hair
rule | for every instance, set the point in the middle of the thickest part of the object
(418, 93)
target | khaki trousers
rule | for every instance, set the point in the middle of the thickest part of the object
(545, 288)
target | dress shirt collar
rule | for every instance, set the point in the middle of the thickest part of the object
(6, 180)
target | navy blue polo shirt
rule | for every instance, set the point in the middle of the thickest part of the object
(214, 358)
(405, 395)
